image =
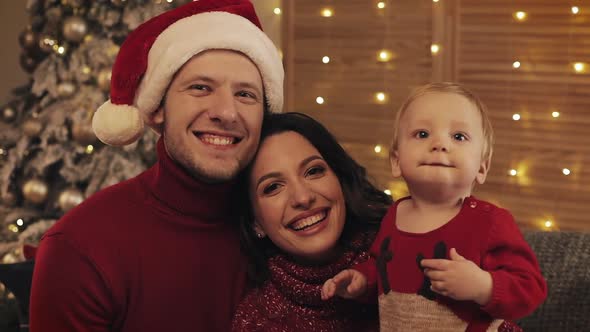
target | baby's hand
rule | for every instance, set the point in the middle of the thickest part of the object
(348, 284)
(459, 278)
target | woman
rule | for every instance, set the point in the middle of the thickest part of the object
(311, 213)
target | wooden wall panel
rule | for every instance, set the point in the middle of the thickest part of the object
(479, 40)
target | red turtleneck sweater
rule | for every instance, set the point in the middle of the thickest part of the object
(159, 252)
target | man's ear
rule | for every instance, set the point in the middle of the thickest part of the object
(480, 178)
(396, 170)
(157, 118)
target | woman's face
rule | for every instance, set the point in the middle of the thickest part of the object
(297, 198)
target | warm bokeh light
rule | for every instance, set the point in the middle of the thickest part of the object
(327, 12)
(277, 11)
(579, 67)
(512, 172)
(434, 48)
(326, 59)
(555, 114)
(520, 15)
(548, 223)
(377, 148)
(566, 171)
(319, 100)
(516, 64)
(384, 55)
(387, 192)
(380, 97)
(89, 149)
(516, 117)
(575, 10)
(20, 222)
(381, 5)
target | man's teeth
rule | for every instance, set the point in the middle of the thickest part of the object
(217, 140)
(309, 221)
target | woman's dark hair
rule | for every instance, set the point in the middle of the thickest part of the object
(365, 204)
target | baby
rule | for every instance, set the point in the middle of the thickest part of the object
(444, 260)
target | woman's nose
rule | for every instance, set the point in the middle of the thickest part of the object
(302, 196)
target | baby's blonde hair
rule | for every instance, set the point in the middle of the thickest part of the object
(448, 87)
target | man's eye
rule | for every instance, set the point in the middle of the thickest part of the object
(198, 87)
(459, 137)
(246, 94)
(421, 134)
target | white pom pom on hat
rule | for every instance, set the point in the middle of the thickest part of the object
(152, 53)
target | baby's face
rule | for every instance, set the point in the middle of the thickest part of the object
(440, 143)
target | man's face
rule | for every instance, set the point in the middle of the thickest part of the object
(212, 115)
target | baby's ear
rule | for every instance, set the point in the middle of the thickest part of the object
(480, 178)
(396, 170)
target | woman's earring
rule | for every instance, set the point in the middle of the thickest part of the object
(259, 235)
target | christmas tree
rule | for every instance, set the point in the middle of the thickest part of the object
(50, 160)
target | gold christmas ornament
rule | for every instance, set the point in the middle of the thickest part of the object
(104, 79)
(29, 40)
(69, 198)
(32, 127)
(83, 134)
(8, 114)
(35, 191)
(66, 89)
(9, 258)
(75, 28)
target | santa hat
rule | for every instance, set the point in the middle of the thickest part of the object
(152, 53)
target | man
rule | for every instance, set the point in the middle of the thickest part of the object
(160, 252)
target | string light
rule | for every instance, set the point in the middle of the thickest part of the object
(169, 1)
(516, 64)
(89, 149)
(575, 10)
(555, 114)
(1, 152)
(61, 50)
(579, 67)
(13, 228)
(434, 0)
(326, 59)
(377, 148)
(319, 100)
(20, 222)
(520, 15)
(513, 172)
(327, 12)
(434, 48)
(380, 97)
(384, 55)
(277, 11)
(387, 192)
(548, 223)
(381, 5)
(515, 116)
(566, 171)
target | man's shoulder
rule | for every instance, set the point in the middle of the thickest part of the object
(104, 208)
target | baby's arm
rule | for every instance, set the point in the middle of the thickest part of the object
(518, 286)
(349, 284)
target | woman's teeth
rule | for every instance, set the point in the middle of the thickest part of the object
(309, 221)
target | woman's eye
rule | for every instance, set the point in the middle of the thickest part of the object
(270, 188)
(316, 170)
(421, 134)
(459, 137)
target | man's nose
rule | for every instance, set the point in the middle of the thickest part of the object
(223, 108)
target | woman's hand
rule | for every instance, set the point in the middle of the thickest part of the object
(459, 278)
(349, 284)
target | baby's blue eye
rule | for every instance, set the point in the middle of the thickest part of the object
(422, 134)
(459, 137)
